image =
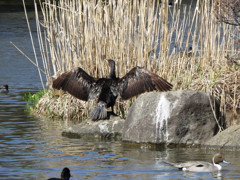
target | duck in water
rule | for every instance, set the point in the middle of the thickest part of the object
(201, 166)
(4, 89)
(65, 175)
(83, 86)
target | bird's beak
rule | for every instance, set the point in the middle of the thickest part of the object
(226, 162)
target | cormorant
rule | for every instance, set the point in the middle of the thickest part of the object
(65, 175)
(83, 86)
(4, 89)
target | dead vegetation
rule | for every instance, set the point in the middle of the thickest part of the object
(144, 33)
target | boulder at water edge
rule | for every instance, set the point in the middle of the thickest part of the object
(174, 117)
(103, 129)
(227, 139)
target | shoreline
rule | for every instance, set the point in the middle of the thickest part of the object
(86, 128)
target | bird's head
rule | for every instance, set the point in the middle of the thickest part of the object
(5, 86)
(111, 62)
(66, 173)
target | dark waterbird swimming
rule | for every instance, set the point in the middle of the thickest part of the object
(83, 86)
(4, 89)
(65, 175)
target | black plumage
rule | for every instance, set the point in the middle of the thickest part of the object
(4, 89)
(83, 86)
(65, 175)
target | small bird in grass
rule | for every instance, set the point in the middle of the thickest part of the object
(187, 53)
(65, 175)
(83, 86)
(4, 89)
(201, 166)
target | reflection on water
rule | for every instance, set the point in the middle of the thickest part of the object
(33, 148)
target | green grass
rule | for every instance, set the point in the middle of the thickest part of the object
(33, 98)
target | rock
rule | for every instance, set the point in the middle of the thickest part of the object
(174, 117)
(103, 129)
(227, 139)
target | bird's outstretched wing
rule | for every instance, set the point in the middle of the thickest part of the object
(139, 80)
(76, 82)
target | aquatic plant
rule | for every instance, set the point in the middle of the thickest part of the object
(33, 98)
(144, 33)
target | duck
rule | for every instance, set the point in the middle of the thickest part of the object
(65, 175)
(81, 85)
(186, 53)
(201, 166)
(4, 89)
(170, 4)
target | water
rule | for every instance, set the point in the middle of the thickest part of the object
(33, 148)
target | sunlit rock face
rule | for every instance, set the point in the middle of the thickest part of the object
(174, 117)
(227, 139)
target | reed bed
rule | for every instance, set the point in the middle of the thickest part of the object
(146, 33)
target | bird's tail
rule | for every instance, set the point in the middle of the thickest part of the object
(99, 112)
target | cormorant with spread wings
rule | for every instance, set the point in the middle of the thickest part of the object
(80, 84)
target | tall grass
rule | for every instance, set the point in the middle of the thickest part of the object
(144, 33)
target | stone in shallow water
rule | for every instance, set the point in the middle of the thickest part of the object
(103, 129)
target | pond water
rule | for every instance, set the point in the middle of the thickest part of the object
(33, 148)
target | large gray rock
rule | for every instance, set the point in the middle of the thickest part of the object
(175, 117)
(103, 129)
(227, 139)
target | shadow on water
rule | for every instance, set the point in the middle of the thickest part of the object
(33, 148)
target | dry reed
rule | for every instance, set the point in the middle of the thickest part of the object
(145, 33)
